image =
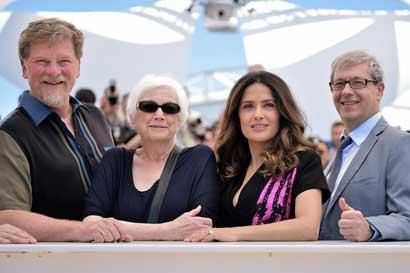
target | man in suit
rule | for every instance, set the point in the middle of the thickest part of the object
(370, 186)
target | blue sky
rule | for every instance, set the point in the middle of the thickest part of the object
(209, 50)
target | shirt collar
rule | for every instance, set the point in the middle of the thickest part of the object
(37, 110)
(359, 134)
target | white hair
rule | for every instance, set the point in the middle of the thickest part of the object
(151, 82)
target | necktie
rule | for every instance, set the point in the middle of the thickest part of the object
(338, 162)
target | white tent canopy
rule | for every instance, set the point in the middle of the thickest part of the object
(300, 44)
(118, 45)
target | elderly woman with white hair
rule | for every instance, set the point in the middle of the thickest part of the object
(127, 182)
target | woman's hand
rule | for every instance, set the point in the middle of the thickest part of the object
(186, 224)
(213, 234)
(203, 235)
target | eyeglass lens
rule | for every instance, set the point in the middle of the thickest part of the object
(354, 84)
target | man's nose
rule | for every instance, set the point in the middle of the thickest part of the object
(347, 89)
(53, 69)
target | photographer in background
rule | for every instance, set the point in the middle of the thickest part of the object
(128, 137)
(322, 150)
(113, 109)
(211, 134)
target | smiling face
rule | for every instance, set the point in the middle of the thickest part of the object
(357, 105)
(258, 115)
(157, 126)
(51, 70)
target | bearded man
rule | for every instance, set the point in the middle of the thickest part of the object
(51, 143)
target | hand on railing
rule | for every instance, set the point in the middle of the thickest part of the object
(13, 235)
(186, 224)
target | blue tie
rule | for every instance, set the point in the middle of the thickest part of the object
(337, 164)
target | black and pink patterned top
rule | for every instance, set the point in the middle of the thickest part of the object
(266, 200)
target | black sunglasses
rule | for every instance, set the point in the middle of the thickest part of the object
(152, 107)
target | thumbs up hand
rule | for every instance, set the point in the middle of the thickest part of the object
(352, 225)
(344, 206)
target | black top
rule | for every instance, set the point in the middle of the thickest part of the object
(60, 164)
(194, 182)
(264, 200)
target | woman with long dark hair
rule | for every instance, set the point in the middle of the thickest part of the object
(273, 182)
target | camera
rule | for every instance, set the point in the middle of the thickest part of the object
(221, 16)
(112, 96)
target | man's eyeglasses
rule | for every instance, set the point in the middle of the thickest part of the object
(354, 84)
(152, 107)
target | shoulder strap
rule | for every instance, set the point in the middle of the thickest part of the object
(163, 184)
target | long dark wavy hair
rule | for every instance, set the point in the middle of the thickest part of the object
(232, 147)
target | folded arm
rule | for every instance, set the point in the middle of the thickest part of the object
(45, 228)
(175, 230)
(304, 227)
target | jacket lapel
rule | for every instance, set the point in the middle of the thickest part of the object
(357, 161)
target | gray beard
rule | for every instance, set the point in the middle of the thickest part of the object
(55, 100)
